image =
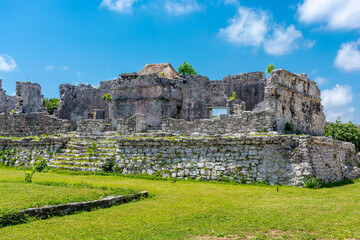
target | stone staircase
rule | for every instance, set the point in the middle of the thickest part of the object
(82, 154)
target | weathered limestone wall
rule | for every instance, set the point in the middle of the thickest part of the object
(149, 95)
(31, 124)
(226, 124)
(3, 99)
(296, 100)
(17, 152)
(76, 102)
(280, 159)
(29, 98)
(330, 164)
(91, 127)
(127, 126)
(249, 87)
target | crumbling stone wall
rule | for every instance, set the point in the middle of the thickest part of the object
(3, 99)
(91, 127)
(29, 98)
(149, 95)
(249, 87)
(31, 124)
(17, 152)
(127, 126)
(296, 100)
(226, 124)
(279, 159)
(77, 102)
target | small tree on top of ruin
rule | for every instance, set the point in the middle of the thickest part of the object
(186, 69)
(270, 67)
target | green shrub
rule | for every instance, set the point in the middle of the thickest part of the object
(289, 127)
(270, 67)
(107, 97)
(186, 69)
(38, 166)
(51, 104)
(312, 183)
(233, 96)
(347, 132)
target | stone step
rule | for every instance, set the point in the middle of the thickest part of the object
(73, 168)
(78, 164)
(86, 154)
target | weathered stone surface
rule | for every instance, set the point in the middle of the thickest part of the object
(296, 100)
(31, 124)
(91, 127)
(29, 98)
(77, 102)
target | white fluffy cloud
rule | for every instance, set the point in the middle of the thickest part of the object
(7, 63)
(254, 27)
(282, 41)
(348, 56)
(248, 27)
(336, 14)
(336, 102)
(121, 6)
(182, 7)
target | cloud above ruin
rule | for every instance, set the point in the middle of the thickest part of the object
(173, 7)
(348, 56)
(256, 28)
(182, 7)
(336, 102)
(120, 6)
(7, 63)
(334, 14)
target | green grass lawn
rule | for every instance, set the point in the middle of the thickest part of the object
(196, 210)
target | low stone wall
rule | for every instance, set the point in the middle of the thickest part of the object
(91, 127)
(32, 124)
(279, 159)
(66, 209)
(226, 124)
(17, 152)
(131, 125)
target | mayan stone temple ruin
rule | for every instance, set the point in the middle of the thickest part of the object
(158, 122)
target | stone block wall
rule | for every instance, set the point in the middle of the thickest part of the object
(32, 124)
(91, 127)
(3, 99)
(226, 124)
(77, 102)
(279, 159)
(29, 98)
(17, 152)
(132, 125)
(295, 100)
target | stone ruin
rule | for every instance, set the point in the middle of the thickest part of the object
(158, 122)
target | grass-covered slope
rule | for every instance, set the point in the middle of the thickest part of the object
(188, 210)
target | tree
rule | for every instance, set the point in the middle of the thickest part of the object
(233, 96)
(347, 132)
(107, 97)
(51, 104)
(186, 69)
(270, 67)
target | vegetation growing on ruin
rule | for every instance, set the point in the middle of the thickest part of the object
(51, 104)
(186, 69)
(270, 67)
(107, 97)
(184, 209)
(233, 96)
(341, 131)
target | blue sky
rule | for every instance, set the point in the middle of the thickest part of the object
(87, 41)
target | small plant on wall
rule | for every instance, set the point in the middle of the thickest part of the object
(107, 97)
(233, 96)
(270, 67)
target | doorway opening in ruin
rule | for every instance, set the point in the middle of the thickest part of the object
(215, 112)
